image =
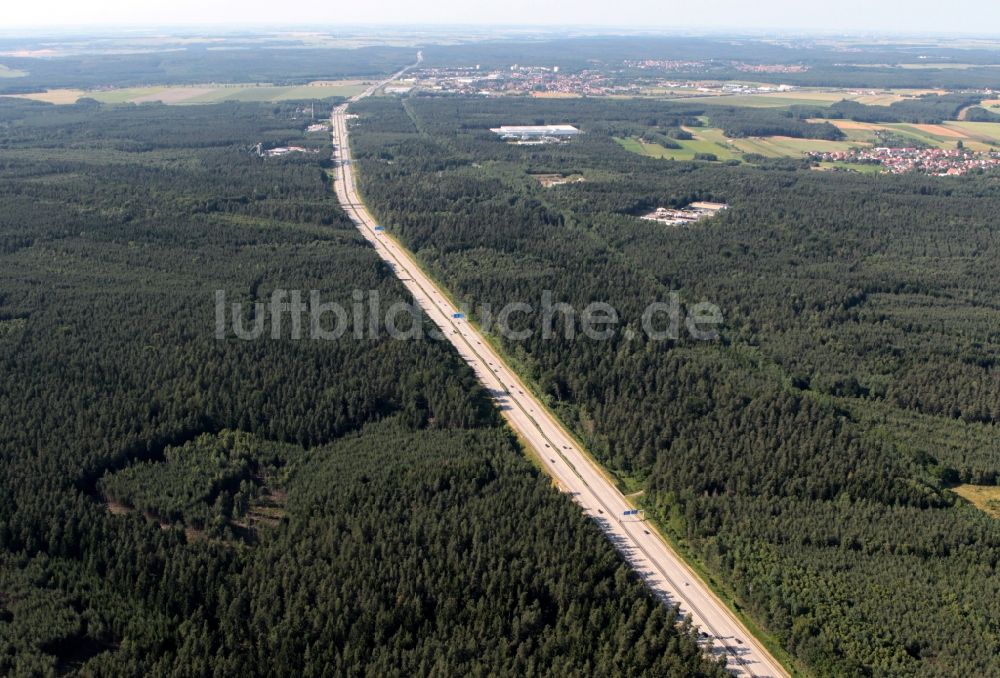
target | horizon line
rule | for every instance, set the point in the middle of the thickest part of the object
(596, 30)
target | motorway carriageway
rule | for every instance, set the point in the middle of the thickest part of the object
(666, 574)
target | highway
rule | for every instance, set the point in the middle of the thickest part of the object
(667, 575)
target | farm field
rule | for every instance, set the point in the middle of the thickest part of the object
(879, 98)
(937, 136)
(815, 97)
(204, 94)
(713, 140)
(778, 100)
(54, 96)
(865, 131)
(270, 93)
(982, 131)
(977, 136)
(986, 498)
(789, 147)
(855, 131)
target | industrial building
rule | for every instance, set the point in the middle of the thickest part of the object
(535, 133)
(696, 211)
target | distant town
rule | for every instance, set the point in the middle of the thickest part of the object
(633, 78)
(689, 66)
(932, 161)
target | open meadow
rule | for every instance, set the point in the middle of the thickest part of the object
(790, 147)
(712, 140)
(204, 94)
(705, 142)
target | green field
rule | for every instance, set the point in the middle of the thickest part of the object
(120, 96)
(928, 138)
(851, 167)
(707, 140)
(715, 136)
(269, 93)
(788, 147)
(988, 132)
(976, 136)
(635, 146)
(204, 94)
(713, 140)
(760, 100)
(865, 132)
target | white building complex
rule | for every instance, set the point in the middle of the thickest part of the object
(536, 133)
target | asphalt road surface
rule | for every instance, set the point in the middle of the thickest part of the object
(575, 472)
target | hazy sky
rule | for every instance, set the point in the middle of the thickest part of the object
(871, 16)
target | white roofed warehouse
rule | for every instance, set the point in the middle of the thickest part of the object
(536, 133)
